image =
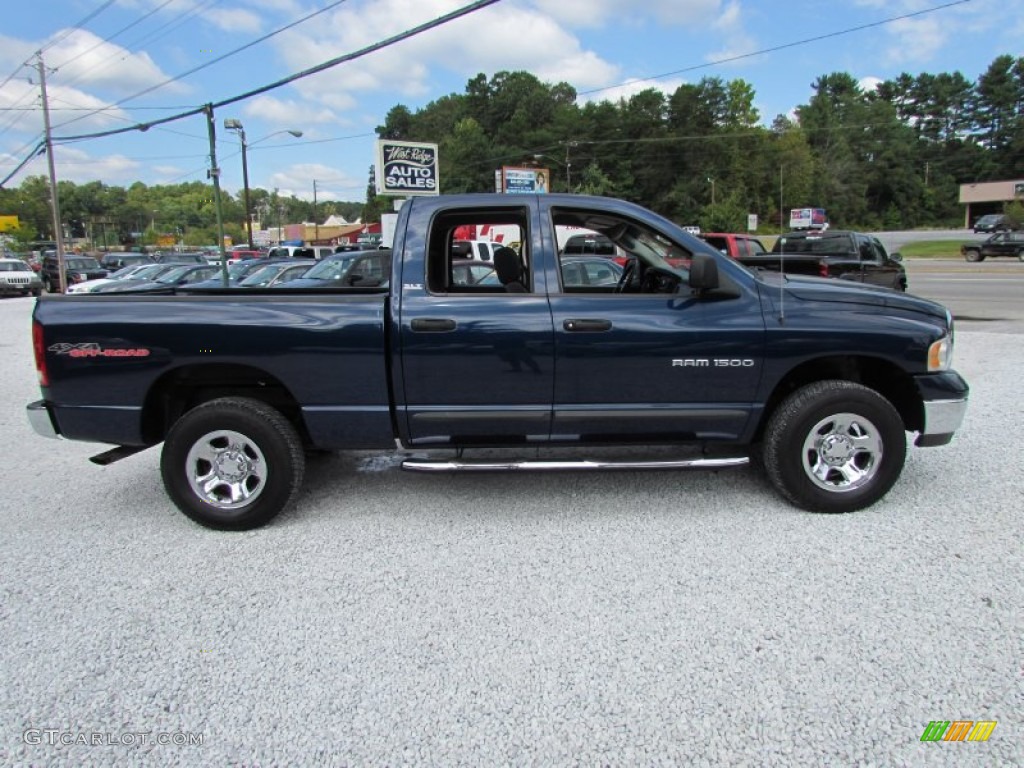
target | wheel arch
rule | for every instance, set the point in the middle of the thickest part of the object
(185, 387)
(885, 377)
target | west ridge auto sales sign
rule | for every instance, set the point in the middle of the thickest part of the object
(406, 168)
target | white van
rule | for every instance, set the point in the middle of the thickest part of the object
(300, 252)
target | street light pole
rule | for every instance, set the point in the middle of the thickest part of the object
(232, 124)
(316, 221)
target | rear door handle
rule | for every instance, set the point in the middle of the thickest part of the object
(587, 326)
(433, 325)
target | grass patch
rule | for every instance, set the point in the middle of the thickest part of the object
(931, 249)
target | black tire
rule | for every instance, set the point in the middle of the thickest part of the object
(47, 285)
(249, 456)
(834, 446)
(973, 255)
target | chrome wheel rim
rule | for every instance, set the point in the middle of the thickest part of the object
(226, 469)
(842, 452)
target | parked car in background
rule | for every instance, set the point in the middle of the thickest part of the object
(91, 286)
(735, 245)
(18, 279)
(472, 272)
(114, 261)
(177, 275)
(237, 271)
(239, 254)
(180, 258)
(357, 269)
(589, 272)
(77, 269)
(993, 222)
(276, 273)
(293, 252)
(999, 244)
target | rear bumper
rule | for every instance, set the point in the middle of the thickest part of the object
(944, 399)
(41, 420)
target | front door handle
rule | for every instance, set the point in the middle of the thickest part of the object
(433, 325)
(587, 326)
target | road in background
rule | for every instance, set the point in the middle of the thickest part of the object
(987, 295)
(625, 618)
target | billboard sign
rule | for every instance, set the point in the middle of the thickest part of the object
(808, 218)
(525, 181)
(406, 168)
(7, 223)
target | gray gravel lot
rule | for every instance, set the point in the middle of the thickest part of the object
(626, 618)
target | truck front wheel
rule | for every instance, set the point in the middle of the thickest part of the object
(834, 446)
(232, 463)
(973, 255)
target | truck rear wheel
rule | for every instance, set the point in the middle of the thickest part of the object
(834, 446)
(232, 463)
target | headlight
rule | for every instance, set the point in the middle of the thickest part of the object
(940, 354)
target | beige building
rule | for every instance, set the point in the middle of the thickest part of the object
(988, 197)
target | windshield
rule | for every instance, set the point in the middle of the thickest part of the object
(82, 263)
(13, 266)
(149, 272)
(330, 269)
(175, 274)
(262, 275)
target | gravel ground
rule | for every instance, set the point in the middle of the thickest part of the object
(625, 618)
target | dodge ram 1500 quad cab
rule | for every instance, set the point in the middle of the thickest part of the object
(818, 381)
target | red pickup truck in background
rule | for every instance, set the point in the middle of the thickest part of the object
(734, 245)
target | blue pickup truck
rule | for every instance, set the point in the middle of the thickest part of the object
(817, 381)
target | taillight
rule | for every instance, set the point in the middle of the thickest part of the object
(38, 346)
(822, 268)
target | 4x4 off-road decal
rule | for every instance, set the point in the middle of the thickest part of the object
(91, 349)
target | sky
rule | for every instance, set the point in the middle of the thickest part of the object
(117, 63)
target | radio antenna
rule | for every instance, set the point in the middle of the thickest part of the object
(782, 258)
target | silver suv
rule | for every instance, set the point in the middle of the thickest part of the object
(17, 278)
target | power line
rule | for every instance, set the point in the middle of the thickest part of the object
(154, 34)
(110, 37)
(330, 63)
(782, 47)
(323, 66)
(216, 60)
(89, 17)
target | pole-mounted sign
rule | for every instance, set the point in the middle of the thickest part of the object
(406, 168)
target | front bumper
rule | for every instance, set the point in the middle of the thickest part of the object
(41, 420)
(944, 400)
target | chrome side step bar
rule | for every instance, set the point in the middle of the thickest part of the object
(458, 465)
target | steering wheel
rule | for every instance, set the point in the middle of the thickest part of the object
(657, 280)
(626, 276)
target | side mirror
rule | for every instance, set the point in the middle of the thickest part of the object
(896, 256)
(703, 273)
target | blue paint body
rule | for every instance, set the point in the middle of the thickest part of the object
(668, 368)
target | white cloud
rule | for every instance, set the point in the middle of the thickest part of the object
(234, 19)
(287, 113)
(869, 83)
(631, 88)
(595, 13)
(729, 27)
(84, 58)
(331, 183)
(480, 42)
(79, 166)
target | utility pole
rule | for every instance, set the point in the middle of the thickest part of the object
(214, 173)
(58, 229)
(316, 221)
